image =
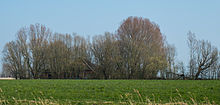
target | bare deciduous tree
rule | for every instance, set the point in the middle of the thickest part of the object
(192, 44)
(106, 55)
(12, 59)
(171, 66)
(203, 55)
(207, 55)
(142, 48)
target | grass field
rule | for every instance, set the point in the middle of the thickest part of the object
(109, 91)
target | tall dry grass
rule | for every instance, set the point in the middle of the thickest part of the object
(126, 99)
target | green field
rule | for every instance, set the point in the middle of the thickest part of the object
(109, 91)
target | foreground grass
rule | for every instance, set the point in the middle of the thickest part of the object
(109, 92)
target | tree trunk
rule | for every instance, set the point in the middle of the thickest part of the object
(198, 72)
(105, 75)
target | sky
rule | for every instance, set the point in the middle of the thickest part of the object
(94, 17)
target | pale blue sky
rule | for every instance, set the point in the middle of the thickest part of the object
(92, 17)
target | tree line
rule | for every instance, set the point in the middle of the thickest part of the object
(137, 50)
